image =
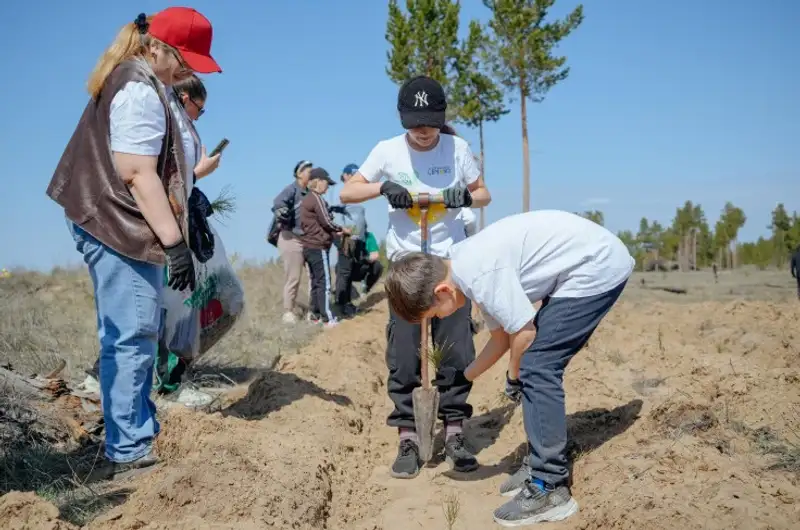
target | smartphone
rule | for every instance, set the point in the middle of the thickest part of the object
(219, 148)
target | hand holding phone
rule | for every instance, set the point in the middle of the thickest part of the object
(219, 148)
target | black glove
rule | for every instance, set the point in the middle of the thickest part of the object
(397, 195)
(180, 266)
(448, 377)
(457, 197)
(339, 208)
(513, 389)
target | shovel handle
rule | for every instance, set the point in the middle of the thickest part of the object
(423, 200)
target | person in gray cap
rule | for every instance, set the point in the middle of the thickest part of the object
(352, 249)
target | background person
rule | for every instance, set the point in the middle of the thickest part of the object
(286, 208)
(128, 213)
(188, 104)
(424, 160)
(352, 249)
(795, 266)
(319, 231)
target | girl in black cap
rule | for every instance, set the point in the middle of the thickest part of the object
(424, 159)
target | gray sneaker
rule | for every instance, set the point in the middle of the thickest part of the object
(536, 504)
(514, 483)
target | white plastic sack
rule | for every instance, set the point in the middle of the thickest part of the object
(195, 321)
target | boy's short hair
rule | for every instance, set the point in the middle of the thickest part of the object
(410, 282)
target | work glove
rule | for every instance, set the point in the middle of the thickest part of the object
(456, 197)
(449, 377)
(180, 266)
(513, 389)
(397, 195)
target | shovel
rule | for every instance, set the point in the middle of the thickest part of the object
(425, 399)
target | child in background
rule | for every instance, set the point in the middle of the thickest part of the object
(318, 233)
(578, 270)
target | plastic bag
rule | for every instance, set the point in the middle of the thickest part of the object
(195, 322)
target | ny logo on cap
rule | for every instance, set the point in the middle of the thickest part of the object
(421, 99)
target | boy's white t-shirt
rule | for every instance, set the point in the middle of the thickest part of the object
(449, 163)
(523, 258)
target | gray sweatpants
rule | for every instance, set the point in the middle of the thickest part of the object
(563, 326)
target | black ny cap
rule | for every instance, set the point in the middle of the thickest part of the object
(422, 103)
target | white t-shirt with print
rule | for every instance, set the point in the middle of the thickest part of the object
(137, 125)
(523, 258)
(449, 163)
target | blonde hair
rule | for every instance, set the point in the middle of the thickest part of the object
(128, 44)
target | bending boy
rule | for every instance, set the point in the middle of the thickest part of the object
(578, 270)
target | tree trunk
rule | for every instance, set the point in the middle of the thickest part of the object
(526, 155)
(483, 174)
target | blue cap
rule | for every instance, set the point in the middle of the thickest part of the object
(350, 169)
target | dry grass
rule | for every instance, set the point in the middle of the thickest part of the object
(47, 317)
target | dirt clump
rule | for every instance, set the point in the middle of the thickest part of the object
(27, 511)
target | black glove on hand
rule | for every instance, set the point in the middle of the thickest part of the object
(513, 389)
(180, 266)
(457, 197)
(448, 377)
(397, 195)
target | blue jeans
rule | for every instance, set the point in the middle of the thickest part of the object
(127, 296)
(563, 326)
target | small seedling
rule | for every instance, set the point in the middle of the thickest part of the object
(661, 340)
(451, 506)
(225, 204)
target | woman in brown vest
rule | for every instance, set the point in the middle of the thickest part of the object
(124, 181)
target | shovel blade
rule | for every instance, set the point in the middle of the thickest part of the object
(426, 408)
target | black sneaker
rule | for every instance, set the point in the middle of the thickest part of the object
(458, 456)
(407, 464)
(116, 470)
(349, 311)
(536, 503)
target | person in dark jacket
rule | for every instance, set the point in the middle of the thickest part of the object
(352, 249)
(286, 208)
(319, 231)
(795, 266)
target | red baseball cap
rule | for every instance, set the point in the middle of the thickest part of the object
(189, 32)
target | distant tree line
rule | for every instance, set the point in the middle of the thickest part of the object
(690, 242)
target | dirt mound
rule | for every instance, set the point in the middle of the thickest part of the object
(27, 511)
(678, 415)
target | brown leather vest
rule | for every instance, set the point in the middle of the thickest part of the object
(94, 196)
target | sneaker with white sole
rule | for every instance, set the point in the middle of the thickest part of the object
(537, 502)
(289, 318)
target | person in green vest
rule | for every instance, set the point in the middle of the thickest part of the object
(371, 268)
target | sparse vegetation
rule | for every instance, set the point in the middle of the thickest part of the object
(451, 507)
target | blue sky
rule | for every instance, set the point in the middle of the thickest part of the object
(666, 101)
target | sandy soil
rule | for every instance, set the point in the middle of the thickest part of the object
(681, 415)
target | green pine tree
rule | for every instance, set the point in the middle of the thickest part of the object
(524, 59)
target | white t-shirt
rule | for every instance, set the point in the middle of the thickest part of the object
(523, 258)
(137, 125)
(470, 221)
(449, 163)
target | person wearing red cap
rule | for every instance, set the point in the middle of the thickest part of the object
(124, 181)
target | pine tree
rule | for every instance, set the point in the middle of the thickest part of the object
(524, 42)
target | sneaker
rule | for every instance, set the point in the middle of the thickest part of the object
(289, 318)
(349, 311)
(515, 482)
(458, 456)
(407, 464)
(115, 470)
(330, 324)
(191, 398)
(313, 319)
(537, 502)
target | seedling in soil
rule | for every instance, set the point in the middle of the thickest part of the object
(451, 506)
